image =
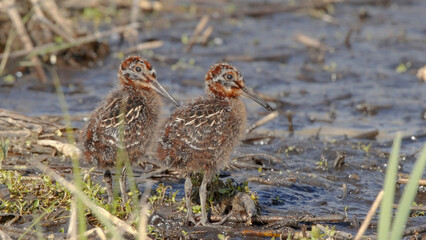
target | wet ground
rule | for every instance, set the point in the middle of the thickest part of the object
(356, 83)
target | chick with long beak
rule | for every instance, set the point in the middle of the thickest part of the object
(249, 93)
(126, 120)
(200, 136)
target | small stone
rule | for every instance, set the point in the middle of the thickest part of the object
(421, 74)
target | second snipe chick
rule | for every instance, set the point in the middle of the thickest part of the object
(200, 136)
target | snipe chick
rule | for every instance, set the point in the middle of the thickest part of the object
(127, 119)
(200, 136)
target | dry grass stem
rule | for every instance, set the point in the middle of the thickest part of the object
(23, 36)
(261, 156)
(66, 149)
(197, 31)
(145, 207)
(206, 35)
(369, 216)
(422, 182)
(51, 47)
(4, 236)
(7, 50)
(413, 208)
(144, 46)
(72, 227)
(271, 116)
(311, 42)
(274, 8)
(53, 10)
(123, 226)
(42, 19)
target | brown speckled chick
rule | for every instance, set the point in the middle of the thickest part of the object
(201, 135)
(127, 119)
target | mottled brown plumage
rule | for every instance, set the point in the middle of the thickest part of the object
(127, 119)
(201, 135)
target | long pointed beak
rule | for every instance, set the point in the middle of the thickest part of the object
(160, 90)
(248, 92)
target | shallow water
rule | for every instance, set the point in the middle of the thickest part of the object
(360, 86)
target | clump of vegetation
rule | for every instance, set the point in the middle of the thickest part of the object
(161, 197)
(32, 195)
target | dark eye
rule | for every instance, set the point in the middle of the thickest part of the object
(138, 69)
(229, 76)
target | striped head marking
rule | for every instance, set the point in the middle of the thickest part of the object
(137, 73)
(224, 80)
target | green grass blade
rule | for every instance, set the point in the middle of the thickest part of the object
(78, 181)
(408, 196)
(385, 216)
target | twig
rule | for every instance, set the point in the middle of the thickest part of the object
(17, 232)
(7, 50)
(264, 233)
(369, 216)
(52, 9)
(311, 42)
(285, 219)
(338, 233)
(97, 230)
(200, 26)
(144, 46)
(289, 115)
(367, 135)
(261, 156)
(23, 35)
(249, 58)
(348, 38)
(280, 9)
(134, 13)
(275, 182)
(206, 35)
(22, 120)
(422, 182)
(132, 33)
(344, 190)
(145, 207)
(72, 227)
(262, 181)
(416, 229)
(4, 236)
(413, 208)
(66, 149)
(40, 17)
(339, 161)
(52, 47)
(271, 116)
(323, 16)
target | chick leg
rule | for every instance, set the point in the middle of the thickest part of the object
(123, 186)
(108, 182)
(203, 196)
(188, 193)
